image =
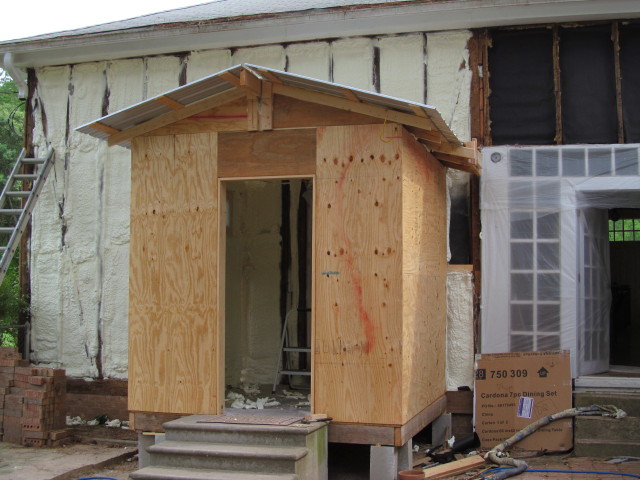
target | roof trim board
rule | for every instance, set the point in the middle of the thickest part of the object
(254, 81)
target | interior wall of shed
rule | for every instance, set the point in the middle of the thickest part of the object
(262, 280)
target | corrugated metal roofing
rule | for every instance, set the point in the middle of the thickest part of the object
(216, 84)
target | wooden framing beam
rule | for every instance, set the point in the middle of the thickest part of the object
(176, 115)
(231, 78)
(265, 120)
(433, 137)
(105, 128)
(350, 95)
(169, 102)
(250, 83)
(356, 107)
(270, 76)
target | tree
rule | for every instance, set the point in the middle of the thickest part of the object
(11, 130)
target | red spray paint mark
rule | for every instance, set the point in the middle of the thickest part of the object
(354, 272)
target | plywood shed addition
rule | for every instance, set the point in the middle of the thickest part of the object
(368, 173)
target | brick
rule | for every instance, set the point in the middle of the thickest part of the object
(6, 363)
(58, 434)
(27, 371)
(33, 442)
(59, 372)
(33, 411)
(36, 394)
(17, 391)
(40, 381)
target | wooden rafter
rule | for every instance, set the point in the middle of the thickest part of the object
(176, 115)
(105, 128)
(169, 102)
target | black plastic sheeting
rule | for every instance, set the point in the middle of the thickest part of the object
(521, 81)
(630, 69)
(588, 84)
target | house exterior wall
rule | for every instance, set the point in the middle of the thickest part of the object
(79, 246)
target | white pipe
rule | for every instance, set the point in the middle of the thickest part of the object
(16, 74)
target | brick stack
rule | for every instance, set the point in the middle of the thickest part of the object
(33, 400)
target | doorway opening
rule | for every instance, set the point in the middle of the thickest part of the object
(624, 252)
(267, 285)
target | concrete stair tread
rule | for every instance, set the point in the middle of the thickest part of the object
(234, 450)
(192, 423)
(169, 473)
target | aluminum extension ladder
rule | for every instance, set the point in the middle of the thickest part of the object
(285, 349)
(17, 218)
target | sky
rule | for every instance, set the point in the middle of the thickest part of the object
(27, 18)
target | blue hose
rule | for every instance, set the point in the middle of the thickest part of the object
(97, 478)
(632, 475)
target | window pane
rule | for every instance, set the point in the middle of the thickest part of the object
(521, 343)
(626, 161)
(547, 163)
(522, 317)
(521, 286)
(599, 161)
(573, 162)
(548, 225)
(522, 256)
(520, 163)
(548, 342)
(521, 224)
(549, 318)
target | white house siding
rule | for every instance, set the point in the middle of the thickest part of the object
(79, 262)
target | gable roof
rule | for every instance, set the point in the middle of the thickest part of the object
(243, 80)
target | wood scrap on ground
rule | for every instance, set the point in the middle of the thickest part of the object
(454, 468)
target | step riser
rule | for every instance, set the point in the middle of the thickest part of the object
(606, 450)
(609, 429)
(229, 463)
(236, 438)
(177, 474)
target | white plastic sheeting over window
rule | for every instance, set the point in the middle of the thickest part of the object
(545, 251)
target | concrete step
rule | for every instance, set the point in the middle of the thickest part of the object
(604, 437)
(167, 473)
(201, 455)
(629, 403)
(188, 429)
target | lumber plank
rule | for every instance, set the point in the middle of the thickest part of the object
(176, 115)
(454, 468)
(290, 112)
(362, 434)
(366, 109)
(169, 102)
(265, 121)
(105, 128)
(260, 154)
(420, 421)
(251, 83)
(424, 276)
(173, 275)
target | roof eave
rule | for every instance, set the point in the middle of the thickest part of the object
(70, 48)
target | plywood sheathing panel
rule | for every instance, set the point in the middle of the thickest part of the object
(358, 332)
(173, 337)
(267, 154)
(424, 270)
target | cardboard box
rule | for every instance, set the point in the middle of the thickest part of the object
(513, 390)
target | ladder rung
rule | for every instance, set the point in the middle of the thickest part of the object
(297, 349)
(25, 176)
(33, 161)
(3, 249)
(7, 229)
(295, 372)
(18, 193)
(10, 211)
